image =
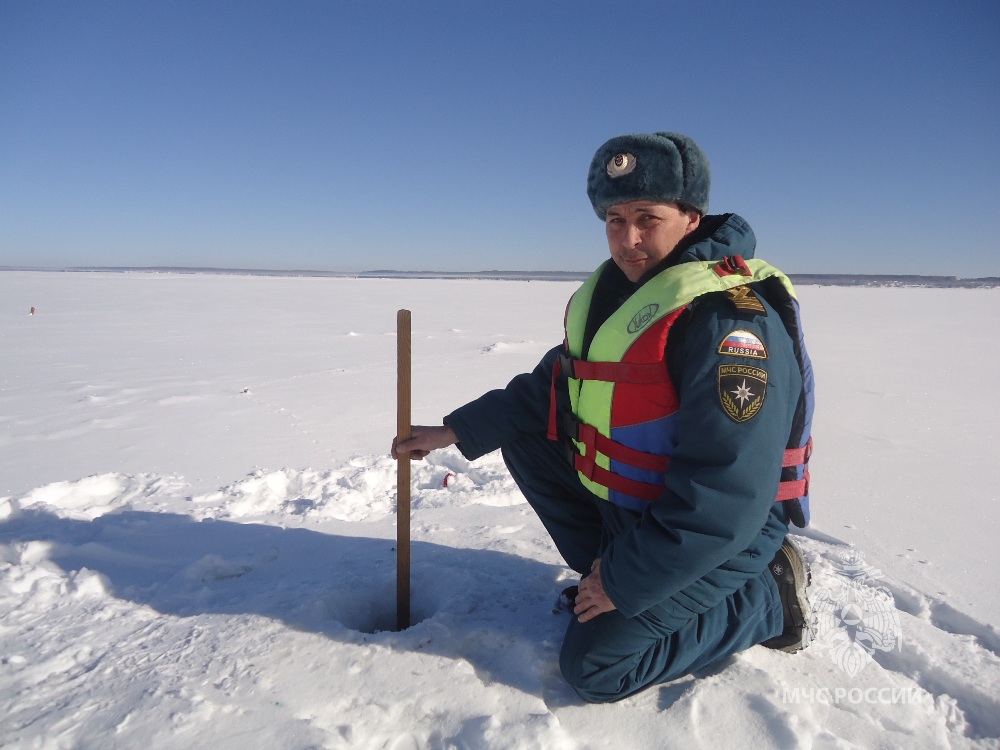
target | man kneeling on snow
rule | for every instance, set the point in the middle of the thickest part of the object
(664, 444)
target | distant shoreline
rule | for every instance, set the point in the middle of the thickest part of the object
(799, 279)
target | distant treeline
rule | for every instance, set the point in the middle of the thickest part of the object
(799, 279)
(836, 279)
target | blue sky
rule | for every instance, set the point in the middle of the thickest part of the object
(855, 137)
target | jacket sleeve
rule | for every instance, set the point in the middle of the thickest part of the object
(497, 417)
(723, 475)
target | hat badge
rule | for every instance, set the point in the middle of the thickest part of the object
(620, 165)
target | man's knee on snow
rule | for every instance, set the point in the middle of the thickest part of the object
(594, 685)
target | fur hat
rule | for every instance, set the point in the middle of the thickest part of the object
(661, 167)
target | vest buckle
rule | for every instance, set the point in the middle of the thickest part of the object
(565, 365)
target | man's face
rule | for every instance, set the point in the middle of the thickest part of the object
(642, 233)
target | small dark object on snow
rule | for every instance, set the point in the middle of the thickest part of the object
(566, 600)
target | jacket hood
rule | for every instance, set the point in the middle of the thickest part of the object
(716, 237)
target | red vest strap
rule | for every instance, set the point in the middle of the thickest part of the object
(642, 490)
(796, 456)
(620, 372)
(612, 372)
(787, 490)
(592, 439)
(793, 489)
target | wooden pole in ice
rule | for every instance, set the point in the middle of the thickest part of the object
(403, 471)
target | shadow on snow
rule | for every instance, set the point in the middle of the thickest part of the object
(490, 608)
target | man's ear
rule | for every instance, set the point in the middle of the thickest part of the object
(694, 221)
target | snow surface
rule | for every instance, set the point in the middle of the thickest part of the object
(197, 527)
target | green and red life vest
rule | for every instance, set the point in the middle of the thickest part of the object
(623, 425)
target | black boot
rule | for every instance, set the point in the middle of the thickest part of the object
(792, 574)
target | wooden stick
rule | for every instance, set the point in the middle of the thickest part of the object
(403, 426)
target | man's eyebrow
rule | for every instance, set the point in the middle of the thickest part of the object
(635, 209)
(620, 210)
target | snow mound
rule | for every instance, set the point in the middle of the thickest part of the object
(363, 489)
(93, 496)
(357, 491)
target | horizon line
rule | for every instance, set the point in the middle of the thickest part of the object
(496, 273)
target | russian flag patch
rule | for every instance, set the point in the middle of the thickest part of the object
(743, 344)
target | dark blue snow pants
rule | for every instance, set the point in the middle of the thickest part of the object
(613, 656)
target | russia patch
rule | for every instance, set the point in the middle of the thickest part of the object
(742, 389)
(743, 344)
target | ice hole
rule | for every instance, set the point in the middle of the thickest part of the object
(380, 617)
(375, 611)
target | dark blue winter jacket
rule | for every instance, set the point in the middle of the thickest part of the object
(716, 524)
